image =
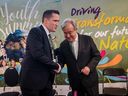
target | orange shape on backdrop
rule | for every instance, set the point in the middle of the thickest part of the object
(113, 62)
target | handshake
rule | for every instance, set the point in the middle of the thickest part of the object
(59, 67)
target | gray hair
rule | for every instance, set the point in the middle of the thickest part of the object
(68, 20)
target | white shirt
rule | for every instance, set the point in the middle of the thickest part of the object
(75, 46)
(46, 30)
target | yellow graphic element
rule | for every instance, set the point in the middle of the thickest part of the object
(114, 44)
(103, 20)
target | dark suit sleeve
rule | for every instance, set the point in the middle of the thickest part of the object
(36, 46)
(1, 57)
(59, 53)
(95, 55)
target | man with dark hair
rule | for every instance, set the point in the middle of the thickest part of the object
(81, 56)
(38, 67)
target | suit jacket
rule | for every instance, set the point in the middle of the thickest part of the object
(37, 66)
(88, 55)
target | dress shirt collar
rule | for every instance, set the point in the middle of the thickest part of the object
(76, 39)
(46, 30)
(74, 46)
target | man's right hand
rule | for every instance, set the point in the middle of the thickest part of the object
(59, 69)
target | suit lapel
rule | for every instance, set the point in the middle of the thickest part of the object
(79, 46)
(69, 50)
(46, 39)
(45, 35)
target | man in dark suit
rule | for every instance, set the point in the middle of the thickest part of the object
(81, 56)
(38, 68)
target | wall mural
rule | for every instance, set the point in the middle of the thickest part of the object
(105, 21)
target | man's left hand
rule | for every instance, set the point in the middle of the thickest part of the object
(85, 70)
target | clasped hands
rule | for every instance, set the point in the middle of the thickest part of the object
(59, 69)
(85, 70)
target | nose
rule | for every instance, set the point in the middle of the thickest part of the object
(67, 35)
(57, 23)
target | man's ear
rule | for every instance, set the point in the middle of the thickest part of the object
(45, 20)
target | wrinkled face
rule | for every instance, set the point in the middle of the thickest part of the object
(70, 32)
(52, 22)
